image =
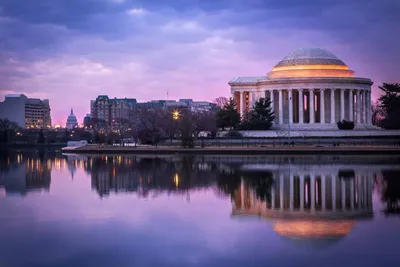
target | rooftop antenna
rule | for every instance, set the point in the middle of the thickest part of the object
(167, 95)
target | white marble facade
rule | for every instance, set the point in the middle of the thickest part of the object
(310, 88)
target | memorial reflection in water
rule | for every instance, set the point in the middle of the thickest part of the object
(310, 201)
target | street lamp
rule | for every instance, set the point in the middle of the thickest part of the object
(176, 114)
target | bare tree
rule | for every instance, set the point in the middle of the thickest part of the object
(7, 128)
(204, 122)
(378, 114)
(221, 101)
(151, 124)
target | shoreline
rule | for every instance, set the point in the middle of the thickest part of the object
(252, 150)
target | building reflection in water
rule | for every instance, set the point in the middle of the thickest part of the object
(310, 202)
(22, 173)
(147, 176)
(296, 193)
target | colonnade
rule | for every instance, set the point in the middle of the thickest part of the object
(326, 193)
(328, 105)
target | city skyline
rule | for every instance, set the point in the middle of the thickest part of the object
(144, 49)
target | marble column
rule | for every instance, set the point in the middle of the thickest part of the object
(333, 106)
(280, 106)
(358, 107)
(341, 104)
(333, 180)
(352, 194)
(291, 200)
(370, 107)
(369, 191)
(369, 111)
(343, 193)
(241, 104)
(322, 106)
(271, 97)
(323, 192)
(281, 191)
(301, 193)
(290, 99)
(351, 101)
(242, 193)
(366, 107)
(312, 191)
(251, 99)
(312, 108)
(301, 108)
(273, 196)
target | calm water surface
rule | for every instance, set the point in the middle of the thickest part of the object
(68, 210)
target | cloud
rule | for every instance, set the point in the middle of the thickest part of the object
(136, 11)
(142, 49)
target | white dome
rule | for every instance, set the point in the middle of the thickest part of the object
(72, 122)
(310, 56)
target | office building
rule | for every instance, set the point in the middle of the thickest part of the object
(26, 112)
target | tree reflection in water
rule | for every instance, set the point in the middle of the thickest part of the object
(180, 174)
(391, 192)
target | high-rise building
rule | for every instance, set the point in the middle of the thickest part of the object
(26, 112)
(87, 120)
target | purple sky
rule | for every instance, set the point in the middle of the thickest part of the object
(70, 51)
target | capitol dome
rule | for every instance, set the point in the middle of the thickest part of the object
(310, 62)
(72, 122)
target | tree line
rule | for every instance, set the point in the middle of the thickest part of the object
(151, 126)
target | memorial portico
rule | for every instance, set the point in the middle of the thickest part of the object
(310, 88)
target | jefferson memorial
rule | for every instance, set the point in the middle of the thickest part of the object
(310, 89)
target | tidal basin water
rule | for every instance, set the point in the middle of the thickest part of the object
(69, 210)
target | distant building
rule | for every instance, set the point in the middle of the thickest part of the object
(87, 120)
(72, 122)
(27, 112)
(154, 104)
(106, 110)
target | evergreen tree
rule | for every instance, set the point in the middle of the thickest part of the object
(390, 103)
(41, 139)
(228, 116)
(260, 117)
(7, 128)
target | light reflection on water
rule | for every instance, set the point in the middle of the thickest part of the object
(68, 210)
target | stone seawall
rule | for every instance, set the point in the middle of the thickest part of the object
(281, 150)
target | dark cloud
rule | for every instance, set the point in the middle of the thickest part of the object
(166, 44)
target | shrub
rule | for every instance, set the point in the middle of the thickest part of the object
(345, 125)
(150, 137)
(233, 134)
(188, 142)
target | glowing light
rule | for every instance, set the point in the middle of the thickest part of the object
(311, 67)
(311, 71)
(176, 179)
(313, 229)
(176, 114)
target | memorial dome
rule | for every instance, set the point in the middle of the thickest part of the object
(313, 229)
(72, 122)
(310, 62)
